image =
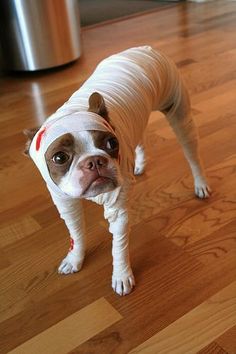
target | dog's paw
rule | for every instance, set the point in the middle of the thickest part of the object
(202, 190)
(138, 170)
(123, 285)
(71, 264)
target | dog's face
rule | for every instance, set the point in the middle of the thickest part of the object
(84, 164)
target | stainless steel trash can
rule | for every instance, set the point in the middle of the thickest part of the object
(39, 34)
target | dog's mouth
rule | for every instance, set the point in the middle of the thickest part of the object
(100, 180)
(100, 184)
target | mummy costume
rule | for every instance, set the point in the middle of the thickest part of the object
(132, 83)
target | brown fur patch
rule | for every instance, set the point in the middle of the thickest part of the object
(97, 105)
(64, 144)
(101, 139)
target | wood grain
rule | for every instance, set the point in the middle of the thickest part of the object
(72, 331)
(17, 230)
(212, 348)
(197, 328)
(183, 250)
(228, 340)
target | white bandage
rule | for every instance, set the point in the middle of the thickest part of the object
(56, 126)
(133, 83)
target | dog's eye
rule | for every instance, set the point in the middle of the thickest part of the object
(112, 144)
(60, 158)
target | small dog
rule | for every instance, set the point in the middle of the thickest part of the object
(92, 147)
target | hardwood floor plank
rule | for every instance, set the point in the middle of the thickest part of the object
(4, 261)
(73, 330)
(24, 208)
(17, 230)
(181, 217)
(192, 229)
(201, 76)
(200, 100)
(212, 348)
(169, 285)
(197, 328)
(218, 244)
(42, 294)
(228, 340)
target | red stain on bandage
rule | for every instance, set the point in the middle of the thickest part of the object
(71, 244)
(39, 138)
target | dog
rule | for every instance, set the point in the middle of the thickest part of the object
(92, 147)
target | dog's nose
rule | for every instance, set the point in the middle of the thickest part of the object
(93, 162)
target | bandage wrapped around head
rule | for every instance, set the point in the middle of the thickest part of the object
(57, 125)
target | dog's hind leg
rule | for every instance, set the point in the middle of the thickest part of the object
(179, 117)
(139, 159)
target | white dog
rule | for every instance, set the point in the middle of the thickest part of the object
(93, 145)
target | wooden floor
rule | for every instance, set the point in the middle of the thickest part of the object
(183, 249)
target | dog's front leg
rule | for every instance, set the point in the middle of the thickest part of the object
(71, 212)
(122, 276)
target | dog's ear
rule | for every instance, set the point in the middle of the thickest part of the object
(29, 133)
(97, 105)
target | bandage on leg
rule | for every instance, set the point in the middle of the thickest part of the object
(122, 277)
(72, 213)
(180, 118)
(139, 160)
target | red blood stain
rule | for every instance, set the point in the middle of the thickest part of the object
(71, 244)
(39, 138)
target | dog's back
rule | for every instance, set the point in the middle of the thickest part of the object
(133, 83)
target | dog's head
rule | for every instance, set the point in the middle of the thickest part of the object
(78, 154)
